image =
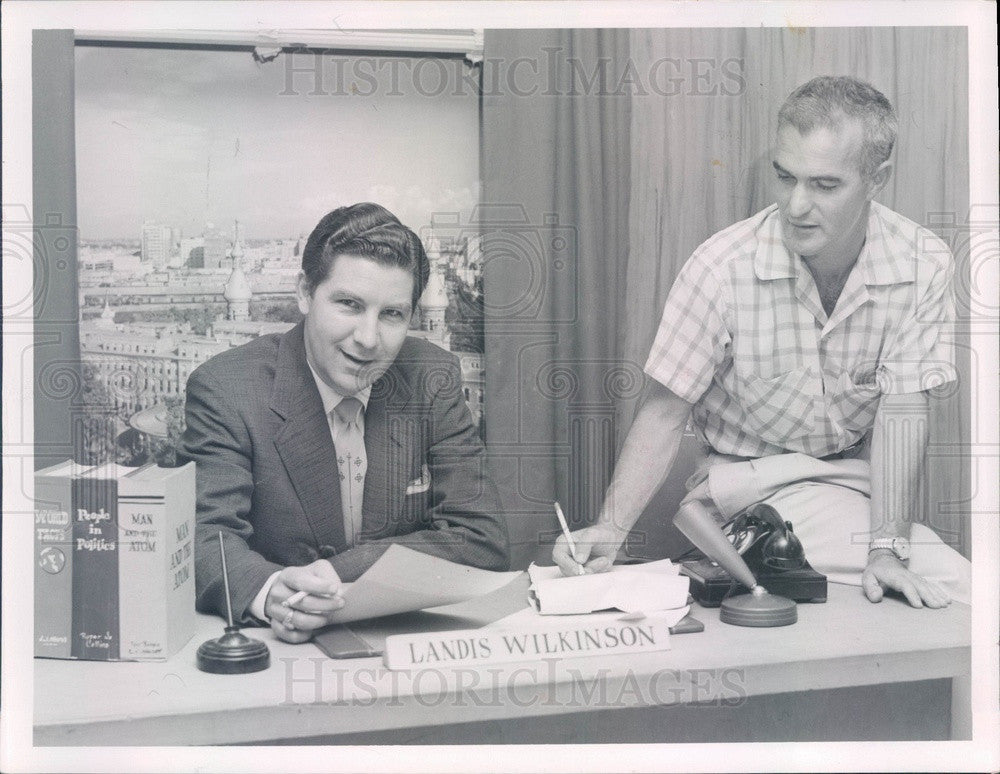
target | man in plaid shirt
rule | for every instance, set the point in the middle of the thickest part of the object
(801, 343)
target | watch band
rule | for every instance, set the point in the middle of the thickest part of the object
(899, 546)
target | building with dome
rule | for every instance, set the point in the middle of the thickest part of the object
(237, 293)
(434, 300)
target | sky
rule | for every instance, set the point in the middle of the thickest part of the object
(186, 137)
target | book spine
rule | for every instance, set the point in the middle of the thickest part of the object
(492, 646)
(181, 616)
(95, 568)
(53, 567)
(142, 552)
(156, 510)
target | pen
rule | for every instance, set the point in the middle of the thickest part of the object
(568, 536)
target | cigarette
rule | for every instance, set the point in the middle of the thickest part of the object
(297, 597)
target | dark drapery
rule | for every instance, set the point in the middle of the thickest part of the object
(700, 162)
(52, 249)
(554, 224)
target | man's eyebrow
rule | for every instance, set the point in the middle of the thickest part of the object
(821, 178)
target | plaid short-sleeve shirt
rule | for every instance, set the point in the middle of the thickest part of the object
(745, 338)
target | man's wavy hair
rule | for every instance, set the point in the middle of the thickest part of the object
(827, 101)
(369, 231)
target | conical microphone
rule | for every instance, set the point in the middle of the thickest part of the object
(759, 608)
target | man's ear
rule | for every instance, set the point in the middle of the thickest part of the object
(879, 179)
(302, 292)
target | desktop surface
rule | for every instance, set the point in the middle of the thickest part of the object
(844, 642)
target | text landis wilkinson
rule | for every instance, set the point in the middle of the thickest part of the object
(491, 646)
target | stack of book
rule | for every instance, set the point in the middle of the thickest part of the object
(114, 561)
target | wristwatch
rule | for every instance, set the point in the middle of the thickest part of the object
(899, 546)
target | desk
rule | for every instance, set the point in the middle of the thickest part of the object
(843, 643)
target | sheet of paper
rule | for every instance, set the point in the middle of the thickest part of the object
(642, 588)
(403, 580)
(363, 638)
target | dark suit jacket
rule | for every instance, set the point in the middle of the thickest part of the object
(267, 473)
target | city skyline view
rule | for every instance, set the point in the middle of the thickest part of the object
(190, 137)
(154, 309)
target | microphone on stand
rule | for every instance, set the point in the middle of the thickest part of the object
(759, 607)
(233, 653)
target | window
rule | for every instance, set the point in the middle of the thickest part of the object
(194, 161)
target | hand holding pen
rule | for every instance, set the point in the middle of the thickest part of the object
(588, 550)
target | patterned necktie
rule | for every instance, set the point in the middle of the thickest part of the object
(352, 463)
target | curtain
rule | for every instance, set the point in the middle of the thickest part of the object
(554, 225)
(700, 163)
(57, 380)
(633, 178)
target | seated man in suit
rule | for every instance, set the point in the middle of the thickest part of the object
(318, 448)
(802, 342)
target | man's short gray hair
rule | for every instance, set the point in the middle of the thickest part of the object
(828, 100)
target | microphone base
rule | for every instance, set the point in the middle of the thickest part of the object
(758, 610)
(233, 654)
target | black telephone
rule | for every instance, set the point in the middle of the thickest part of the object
(773, 553)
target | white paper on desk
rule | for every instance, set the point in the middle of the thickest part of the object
(403, 580)
(644, 588)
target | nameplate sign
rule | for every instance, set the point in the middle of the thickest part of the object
(492, 646)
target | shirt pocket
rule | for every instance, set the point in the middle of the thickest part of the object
(779, 409)
(854, 402)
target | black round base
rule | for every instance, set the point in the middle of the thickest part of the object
(233, 654)
(758, 610)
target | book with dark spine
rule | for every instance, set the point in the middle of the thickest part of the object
(95, 564)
